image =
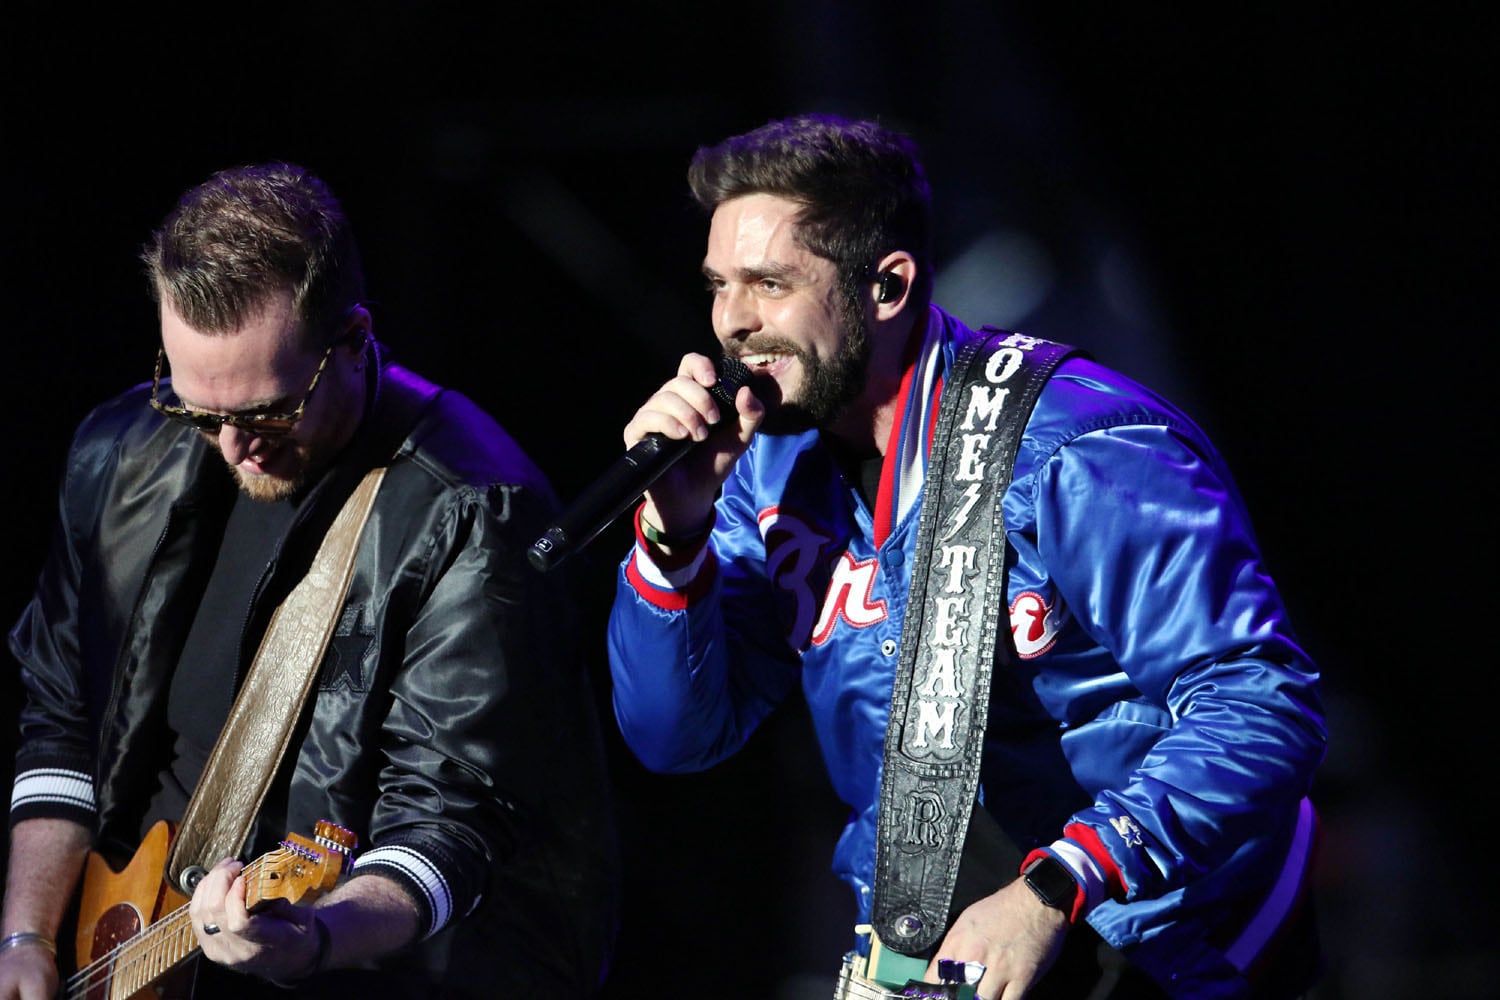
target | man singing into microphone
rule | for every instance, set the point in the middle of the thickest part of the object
(1153, 725)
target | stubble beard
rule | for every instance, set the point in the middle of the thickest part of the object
(828, 387)
(268, 488)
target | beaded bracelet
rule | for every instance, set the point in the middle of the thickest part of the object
(28, 937)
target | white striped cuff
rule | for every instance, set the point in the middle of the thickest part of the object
(420, 871)
(54, 785)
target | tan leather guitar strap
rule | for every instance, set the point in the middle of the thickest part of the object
(260, 724)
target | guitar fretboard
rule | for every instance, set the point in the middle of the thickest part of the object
(132, 965)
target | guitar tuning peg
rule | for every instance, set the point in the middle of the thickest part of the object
(339, 840)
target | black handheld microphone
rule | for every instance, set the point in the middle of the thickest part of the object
(624, 482)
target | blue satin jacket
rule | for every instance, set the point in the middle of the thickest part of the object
(1159, 699)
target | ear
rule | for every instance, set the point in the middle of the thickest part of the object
(891, 288)
(358, 325)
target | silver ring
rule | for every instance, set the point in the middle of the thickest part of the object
(210, 929)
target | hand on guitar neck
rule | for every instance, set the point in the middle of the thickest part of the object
(872, 972)
(1011, 935)
(271, 938)
(137, 933)
(365, 917)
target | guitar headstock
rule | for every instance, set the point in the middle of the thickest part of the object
(300, 869)
(336, 838)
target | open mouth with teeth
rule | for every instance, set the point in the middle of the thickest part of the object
(767, 362)
(764, 366)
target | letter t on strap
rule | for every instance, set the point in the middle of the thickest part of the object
(953, 635)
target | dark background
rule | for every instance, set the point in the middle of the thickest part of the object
(1272, 215)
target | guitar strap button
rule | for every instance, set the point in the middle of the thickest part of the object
(190, 877)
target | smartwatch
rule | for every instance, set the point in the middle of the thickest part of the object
(1053, 884)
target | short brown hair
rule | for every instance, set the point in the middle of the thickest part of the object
(247, 233)
(862, 186)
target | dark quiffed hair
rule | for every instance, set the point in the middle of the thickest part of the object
(862, 187)
(247, 233)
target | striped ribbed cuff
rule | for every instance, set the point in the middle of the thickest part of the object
(423, 879)
(52, 792)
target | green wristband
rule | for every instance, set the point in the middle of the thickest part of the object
(656, 536)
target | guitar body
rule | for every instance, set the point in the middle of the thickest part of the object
(115, 906)
(135, 939)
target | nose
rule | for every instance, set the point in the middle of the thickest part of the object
(736, 314)
(237, 444)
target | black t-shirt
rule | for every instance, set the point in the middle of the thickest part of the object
(206, 679)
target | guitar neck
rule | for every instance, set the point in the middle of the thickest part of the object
(139, 962)
(135, 964)
(298, 868)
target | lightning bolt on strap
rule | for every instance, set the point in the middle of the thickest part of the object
(951, 639)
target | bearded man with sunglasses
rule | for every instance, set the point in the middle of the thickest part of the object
(450, 726)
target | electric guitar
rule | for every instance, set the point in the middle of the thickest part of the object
(876, 972)
(134, 936)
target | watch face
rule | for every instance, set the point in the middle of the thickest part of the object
(1053, 883)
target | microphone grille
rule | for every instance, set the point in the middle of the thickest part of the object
(733, 373)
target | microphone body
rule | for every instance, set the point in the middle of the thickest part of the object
(626, 480)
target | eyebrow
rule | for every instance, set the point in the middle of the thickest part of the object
(750, 275)
(254, 409)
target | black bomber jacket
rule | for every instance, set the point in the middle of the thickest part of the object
(453, 729)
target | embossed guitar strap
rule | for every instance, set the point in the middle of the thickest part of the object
(243, 763)
(956, 631)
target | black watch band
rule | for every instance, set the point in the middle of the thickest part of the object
(1053, 884)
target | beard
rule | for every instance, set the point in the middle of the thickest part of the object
(827, 386)
(309, 459)
(267, 488)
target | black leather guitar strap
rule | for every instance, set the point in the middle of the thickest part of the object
(957, 629)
